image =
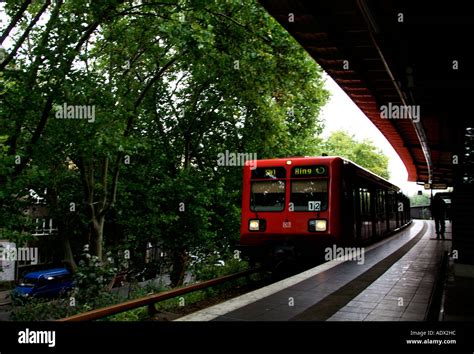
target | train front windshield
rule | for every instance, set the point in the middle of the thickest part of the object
(309, 188)
(267, 189)
(309, 195)
(267, 196)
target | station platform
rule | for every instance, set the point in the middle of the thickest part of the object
(394, 281)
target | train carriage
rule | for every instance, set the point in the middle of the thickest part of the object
(293, 208)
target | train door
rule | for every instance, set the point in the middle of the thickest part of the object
(380, 212)
(392, 210)
(349, 202)
(357, 217)
(365, 208)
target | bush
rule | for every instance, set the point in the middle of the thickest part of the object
(211, 268)
(38, 309)
(92, 277)
(6, 285)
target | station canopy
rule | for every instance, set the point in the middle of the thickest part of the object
(410, 59)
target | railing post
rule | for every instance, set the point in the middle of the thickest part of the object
(152, 309)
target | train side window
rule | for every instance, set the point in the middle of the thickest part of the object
(364, 200)
(380, 201)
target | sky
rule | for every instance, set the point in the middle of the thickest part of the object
(340, 113)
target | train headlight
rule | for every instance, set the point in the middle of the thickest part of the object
(321, 225)
(257, 225)
(254, 225)
(317, 225)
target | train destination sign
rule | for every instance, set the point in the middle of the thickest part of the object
(309, 171)
(436, 186)
(269, 172)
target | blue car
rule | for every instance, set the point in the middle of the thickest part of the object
(44, 283)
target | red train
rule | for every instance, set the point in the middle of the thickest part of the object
(293, 208)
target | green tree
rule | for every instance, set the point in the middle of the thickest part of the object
(173, 84)
(363, 153)
(418, 200)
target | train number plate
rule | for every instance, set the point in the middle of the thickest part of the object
(314, 206)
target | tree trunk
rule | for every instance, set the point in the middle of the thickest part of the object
(63, 230)
(97, 236)
(180, 260)
(67, 252)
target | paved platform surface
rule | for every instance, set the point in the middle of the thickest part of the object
(403, 292)
(393, 283)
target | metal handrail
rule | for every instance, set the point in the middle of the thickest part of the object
(151, 300)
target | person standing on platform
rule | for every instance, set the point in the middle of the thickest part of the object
(438, 211)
